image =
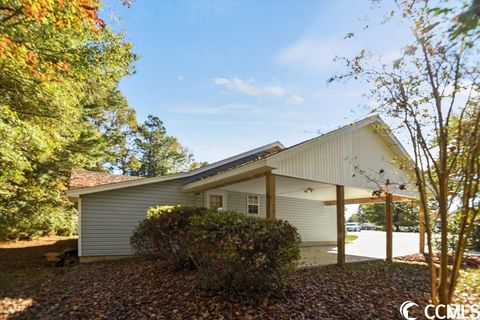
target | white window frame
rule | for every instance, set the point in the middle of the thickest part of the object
(258, 205)
(216, 193)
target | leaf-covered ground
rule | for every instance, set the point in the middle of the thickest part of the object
(138, 288)
(467, 262)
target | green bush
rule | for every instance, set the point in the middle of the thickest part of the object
(165, 232)
(453, 230)
(35, 222)
(239, 253)
(475, 236)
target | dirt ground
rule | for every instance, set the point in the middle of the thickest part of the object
(146, 289)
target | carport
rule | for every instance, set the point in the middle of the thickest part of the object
(356, 164)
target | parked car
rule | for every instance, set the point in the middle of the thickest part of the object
(353, 227)
(368, 226)
(408, 228)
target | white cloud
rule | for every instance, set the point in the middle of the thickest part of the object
(296, 100)
(308, 54)
(311, 54)
(249, 87)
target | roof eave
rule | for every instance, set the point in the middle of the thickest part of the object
(76, 193)
(235, 175)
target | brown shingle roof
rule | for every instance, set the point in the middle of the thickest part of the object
(86, 178)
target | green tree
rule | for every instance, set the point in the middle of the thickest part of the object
(372, 213)
(108, 113)
(159, 153)
(53, 56)
(354, 218)
(405, 214)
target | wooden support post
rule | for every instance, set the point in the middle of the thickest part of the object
(421, 229)
(340, 225)
(270, 191)
(389, 225)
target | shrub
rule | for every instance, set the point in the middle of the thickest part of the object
(474, 238)
(239, 253)
(140, 240)
(29, 223)
(165, 232)
(453, 229)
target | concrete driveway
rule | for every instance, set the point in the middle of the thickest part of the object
(370, 245)
(373, 244)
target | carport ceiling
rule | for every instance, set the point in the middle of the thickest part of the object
(297, 188)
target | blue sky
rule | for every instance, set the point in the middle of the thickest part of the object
(228, 76)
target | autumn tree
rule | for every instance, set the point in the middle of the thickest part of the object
(430, 94)
(54, 57)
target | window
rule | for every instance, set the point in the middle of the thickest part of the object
(216, 200)
(253, 204)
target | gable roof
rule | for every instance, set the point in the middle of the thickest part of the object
(272, 160)
(205, 171)
(271, 153)
(375, 119)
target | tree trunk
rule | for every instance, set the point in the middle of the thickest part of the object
(443, 213)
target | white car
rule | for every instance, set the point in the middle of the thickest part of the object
(353, 227)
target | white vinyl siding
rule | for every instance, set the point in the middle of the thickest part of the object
(237, 201)
(333, 160)
(108, 218)
(314, 221)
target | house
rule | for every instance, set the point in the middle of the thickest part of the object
(307, 184)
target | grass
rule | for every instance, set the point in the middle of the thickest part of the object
(351, 237)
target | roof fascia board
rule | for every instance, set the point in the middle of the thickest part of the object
(112, 186)
(396, 143)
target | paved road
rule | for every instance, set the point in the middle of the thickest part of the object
(373, 244)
